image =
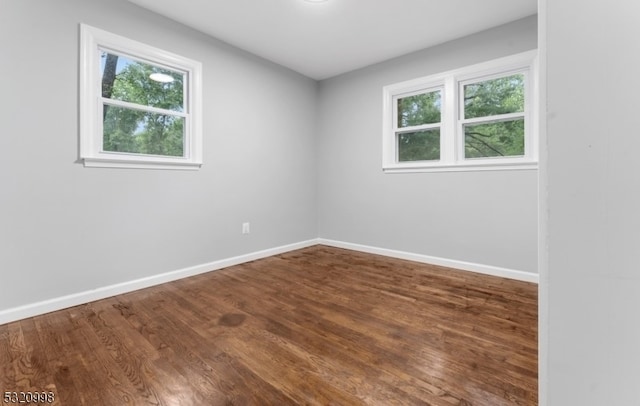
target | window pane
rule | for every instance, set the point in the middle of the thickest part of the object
(419, 145)
(141, 83)
(496, 96)
(419, 109)
(503, 138)
(141, 132)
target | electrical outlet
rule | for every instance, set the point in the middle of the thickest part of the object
(246, 228)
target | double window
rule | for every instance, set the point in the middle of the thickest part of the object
(140, 106)
(475, 118)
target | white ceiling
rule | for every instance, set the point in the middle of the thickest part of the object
(325, 39)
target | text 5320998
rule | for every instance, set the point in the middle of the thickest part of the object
(28, 397)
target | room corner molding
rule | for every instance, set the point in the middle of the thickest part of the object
(427, 259)
(76, 299)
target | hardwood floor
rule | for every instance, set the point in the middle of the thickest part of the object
(317, 326)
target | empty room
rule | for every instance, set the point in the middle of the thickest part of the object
(337, 202)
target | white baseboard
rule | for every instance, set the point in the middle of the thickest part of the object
(449, 263)
(46, 306)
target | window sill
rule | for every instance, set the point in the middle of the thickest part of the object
(462, 167)
(139, 164)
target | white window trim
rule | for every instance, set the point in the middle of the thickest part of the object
(451, 134)
(91, 138)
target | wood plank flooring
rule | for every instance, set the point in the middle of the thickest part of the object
(317, 326)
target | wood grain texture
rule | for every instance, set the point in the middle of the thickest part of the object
(317, 326)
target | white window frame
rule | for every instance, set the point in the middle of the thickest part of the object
(452, 142)
(92, 42)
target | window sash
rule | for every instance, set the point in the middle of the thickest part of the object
(158, 64)
(186, 133)
(487, 145)
(425, 130)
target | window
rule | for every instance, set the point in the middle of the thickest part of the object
(418, 121)
(477, 118)
(140, 107)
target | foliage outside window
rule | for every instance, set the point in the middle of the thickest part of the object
(418, 135)
(475, 118)
(140, 106)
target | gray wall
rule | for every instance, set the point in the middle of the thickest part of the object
(489, 218)
(66, 229)
(591, 279)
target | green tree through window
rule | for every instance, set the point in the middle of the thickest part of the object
(478, 117)
(500, 134)
(131, 127)
(419, 110)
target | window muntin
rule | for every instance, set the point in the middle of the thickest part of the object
(487, 120)
(140, 106)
